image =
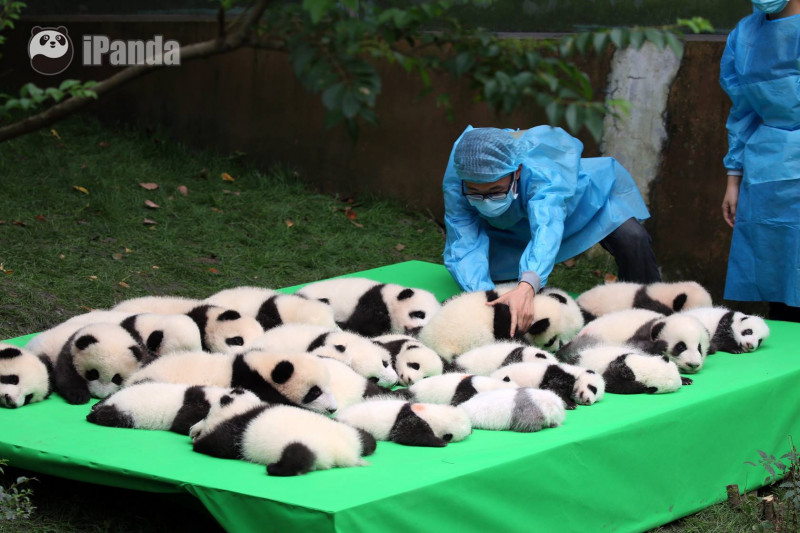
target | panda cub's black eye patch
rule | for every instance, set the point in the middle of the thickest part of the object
(747, 332)
(417, 314)
(235, 341)
(680, 347)
(313, 393)
(11, 379)
(593, 389)
(92, 375)
(447, 437)
(415, 366)
(117, 379)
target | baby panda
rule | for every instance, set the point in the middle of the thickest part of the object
(454, 388)
(371, 308)
(364, 356)
(731, 331)
(680, 337)
(661, 297)
(466, 322)
(484, 360)
(349, 387)
(24, 377)
(524, 410)
(285, 378)
(158, 406)
(410, 424)
(573, 384)
(162, 305)
(411, 360)
(96, 360)
(290, 441)
(627, 370)
(272, 308)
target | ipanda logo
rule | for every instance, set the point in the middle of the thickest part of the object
(50, 50)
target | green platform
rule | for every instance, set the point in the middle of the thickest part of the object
(628, 463)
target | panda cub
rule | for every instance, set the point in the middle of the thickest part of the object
(627, 370)
(272, 308)
(371, 308)
(349, 387)
(682, 338)
(158, 406)
(484, 360)
(454, 388)
(162, 305)
(290, 441)
(573, 384)
(96, 360)
(662, 297)
(731, 331)
(410, 424)
(285, 378)
(524, 410)
(411, 360)
(364, 356)
(466, 322)
(24, 377)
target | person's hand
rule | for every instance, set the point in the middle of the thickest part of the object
(520, 302)
(731, 199)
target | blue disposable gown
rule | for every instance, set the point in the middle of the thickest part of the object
(565, 205)
(759, 71)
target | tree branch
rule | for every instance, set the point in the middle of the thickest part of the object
(189, 52)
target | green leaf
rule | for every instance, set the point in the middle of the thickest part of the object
(463, 62)
(619, 36)
(318, 8)
(332, 118)
(594, 123)
(574, 116)
(352, 5)
(555, 113)
(655, 36)
(637, 39)
(332, 96)
(567, 46)
(675, 44)
(66, 85)
(600, 41)
(350, 105)
(582, 42)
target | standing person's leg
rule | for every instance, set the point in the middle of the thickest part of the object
(632, 248)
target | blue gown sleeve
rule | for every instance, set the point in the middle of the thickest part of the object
(742, 120)
(466, 250)
(554, 166)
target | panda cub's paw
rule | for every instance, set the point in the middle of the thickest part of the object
(686, 381)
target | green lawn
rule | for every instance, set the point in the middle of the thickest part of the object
(73, 237)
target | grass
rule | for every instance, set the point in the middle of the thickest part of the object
(63, 251)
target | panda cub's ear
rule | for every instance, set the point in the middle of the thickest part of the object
(655, 331)
(84, 342)
(229, 315)
(225, 400)
(679, 302)
(560, 298)
(539, 326)
(405, 294)
(9, 353)
(282, 372)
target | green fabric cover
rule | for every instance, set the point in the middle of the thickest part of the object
(627, 463)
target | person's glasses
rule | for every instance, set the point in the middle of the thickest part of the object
(491, 196)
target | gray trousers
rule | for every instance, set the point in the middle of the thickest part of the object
(632, 248)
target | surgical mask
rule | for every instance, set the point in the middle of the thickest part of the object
(493, 208)
(770, 6)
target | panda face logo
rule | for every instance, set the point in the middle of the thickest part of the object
(50, 50)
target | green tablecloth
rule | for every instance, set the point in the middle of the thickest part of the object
(628, 463)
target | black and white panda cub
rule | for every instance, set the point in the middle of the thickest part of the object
(158, 406)
(573, 384)
(411, 360)
(731, 331)
(484, 360)
(24, 377)
(272, 308)
(290, 441)
(454, 388)
(371, 308)
(524, 410)
(661, 297)
(410, 424)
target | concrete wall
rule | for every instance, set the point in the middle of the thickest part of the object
(250, 101)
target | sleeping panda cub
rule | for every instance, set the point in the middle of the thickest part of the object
(410, 424)
(290, 441)
(24, 377)
(662, 297)
(158, 406)
(466, 322)
(524, 410)
(371, 308)
(348, 386)
(573, 384)
(731, 331)
(454, 388)
(484, 360)
(96, 360)
(682, 338)
(625, 369)
(411, 360)
(272, 308)
(283, 378)
(162, 305)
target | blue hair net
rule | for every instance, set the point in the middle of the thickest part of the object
(484, 155)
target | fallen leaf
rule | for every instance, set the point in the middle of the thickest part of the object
(598, 273)
(420, 230)
(116, 256)
(227, 177)
(349, 213)
(156, 267)
(289, 223)
(62, 256)
(149, 186)
(55, 134)
(610, 278)
(128, 250)
(213, 270)
(356, 224)
(151, 204)
(92, 277)
(2, 221)
(123, 284)
(216, 210)
(8, 272)
(87, 308)
(103, 144)
(400, 247)
(83, 165)
(20, 223)
(41, 218)
(170, 197)
(81, 221)
(235, 193)
(148, 222)
(59, 145)
(569, 263)
(183, 189)
(80, 189)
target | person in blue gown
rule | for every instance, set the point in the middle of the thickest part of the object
(517, 202)
(761, 74)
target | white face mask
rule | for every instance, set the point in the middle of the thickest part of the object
(491, 208)
(770, 7)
